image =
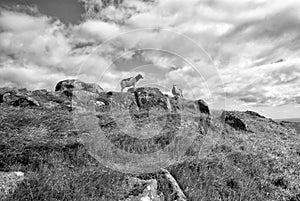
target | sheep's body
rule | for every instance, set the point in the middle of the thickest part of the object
(128, 82)
(177, 92)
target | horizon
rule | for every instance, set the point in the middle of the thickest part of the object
(236, 56)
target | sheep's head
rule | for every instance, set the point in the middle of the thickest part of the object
(139, 76)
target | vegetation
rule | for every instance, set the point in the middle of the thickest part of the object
(262, 163)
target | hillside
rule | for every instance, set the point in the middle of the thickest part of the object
(234, 156)
(293, 123)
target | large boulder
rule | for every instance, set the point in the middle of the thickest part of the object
(233, 120)
(66, 87)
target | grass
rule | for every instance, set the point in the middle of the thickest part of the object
(260, 164)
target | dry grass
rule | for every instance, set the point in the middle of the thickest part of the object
(260, 164)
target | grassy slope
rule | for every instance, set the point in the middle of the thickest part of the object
(260, 165)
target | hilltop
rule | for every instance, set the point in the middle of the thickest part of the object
(235, 156)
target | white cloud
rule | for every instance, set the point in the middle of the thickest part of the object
(243, 38)
(98, 29)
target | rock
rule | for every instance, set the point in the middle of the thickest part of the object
(9, 182)
(6, 90)
(17, 99)
(192, 106)
(194, 109)
(66, 87)
(252, 113)
(176, 104)
(203, 107)
(234, 121)
(148, 190)
(148, 97)
(51, 100)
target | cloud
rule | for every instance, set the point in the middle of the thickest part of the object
(272, 84)
(98, 29)
(32, 39)
(194, 44)
(32, 77)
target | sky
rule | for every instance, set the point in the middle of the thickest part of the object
(236, 55)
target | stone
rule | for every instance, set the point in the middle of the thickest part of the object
(255, 114)
(16, 99)
(5, 91)
(149, 190)
(234, 121)
(9, 182)
(66, 87)
(148, 97)
(203, 107)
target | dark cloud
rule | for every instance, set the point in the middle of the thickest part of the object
(67, 11)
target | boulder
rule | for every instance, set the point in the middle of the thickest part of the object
(66, 87)
(191, 106)
(148, 97)
(203, 107)
(16, 99)
(146, 190)
(234, 121)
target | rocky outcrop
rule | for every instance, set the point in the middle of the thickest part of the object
(66, 87)
(142, 99)
(234, 120)
(255, 114)
(148, 97)
(15, 97)
(39, 98)
(9, 181)
(203, 107)
(60, 99)
(137, 123)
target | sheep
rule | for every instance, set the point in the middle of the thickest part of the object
(128, 82)
(176, 91)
